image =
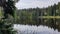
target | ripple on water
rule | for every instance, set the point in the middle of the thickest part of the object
(28, 29)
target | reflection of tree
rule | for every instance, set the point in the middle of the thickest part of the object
(52, 23)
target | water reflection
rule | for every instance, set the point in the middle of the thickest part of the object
(53, 23)
(33, 29)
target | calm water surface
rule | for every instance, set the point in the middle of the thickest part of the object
(33, 29)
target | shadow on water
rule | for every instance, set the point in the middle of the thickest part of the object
(52, 23)
(40, 26)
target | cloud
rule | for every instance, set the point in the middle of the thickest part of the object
(35, 3)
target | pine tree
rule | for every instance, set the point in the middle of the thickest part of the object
(8, 9)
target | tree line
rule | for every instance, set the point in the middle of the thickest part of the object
(32, 14)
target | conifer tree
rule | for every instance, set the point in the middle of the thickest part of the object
(8, 9)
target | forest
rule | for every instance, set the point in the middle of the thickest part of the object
(49, 16)
(36, 14)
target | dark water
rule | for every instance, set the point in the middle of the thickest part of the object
(33, 29)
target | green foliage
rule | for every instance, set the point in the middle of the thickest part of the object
(9, 8)
(6, 26)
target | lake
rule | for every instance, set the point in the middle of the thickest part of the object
(33, 29)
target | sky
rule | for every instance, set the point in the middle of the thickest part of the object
(22, 4)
